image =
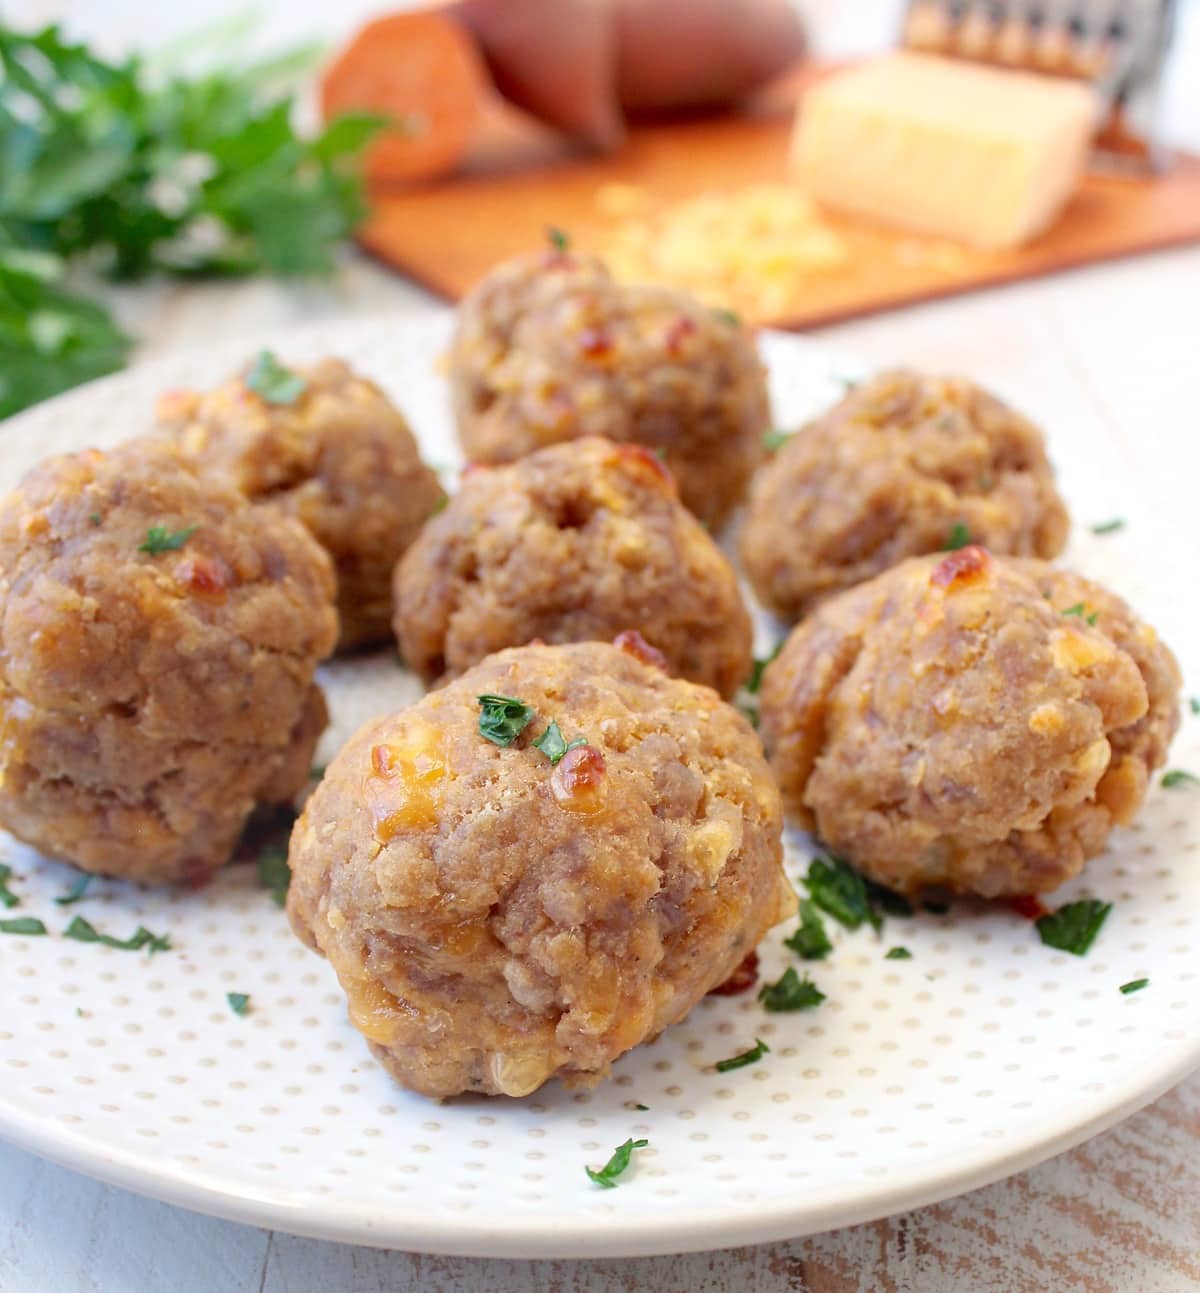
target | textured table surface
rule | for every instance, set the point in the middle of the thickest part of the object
(1117, 345)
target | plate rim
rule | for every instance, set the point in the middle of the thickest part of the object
(617, 1234)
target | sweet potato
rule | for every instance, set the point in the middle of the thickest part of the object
(555, 59)
(698, 53)
(423, 70)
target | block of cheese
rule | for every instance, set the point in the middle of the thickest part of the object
(985, 155)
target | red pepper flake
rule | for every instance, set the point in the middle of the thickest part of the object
(595, 343)
(741, 980)
(639, 461)
(965, 566)
(579, 780)
(632, 643)
(1028, 905)
(204, 576)
(678, 333)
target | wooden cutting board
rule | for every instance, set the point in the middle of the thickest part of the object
(522, 179)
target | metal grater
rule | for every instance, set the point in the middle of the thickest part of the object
(1119, 46)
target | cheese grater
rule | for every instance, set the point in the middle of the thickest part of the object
(1119, 46)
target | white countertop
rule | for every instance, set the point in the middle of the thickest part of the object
(1117, 346)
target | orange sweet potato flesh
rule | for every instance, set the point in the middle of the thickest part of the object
(423, 69)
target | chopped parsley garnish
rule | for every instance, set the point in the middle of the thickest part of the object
(7, 897)
(439, 504)
(643, 1108)
(752, 1056)
(840, 892)
(275, 383)
(1134, 985)
(607, 1175)
(274, 873)
(551, 742)
(1073, 928)
(503, 718)
(754, 682)
(731, 317)
(810, 941)
(1077, 609)
(750, 714)
(774, 440)
(239, 1002)
(22, 925)
(791, 992)
(317, 771)
(160, 539)
(959, 537)
(1179, 777)
(898, 954)
(94, 518)
(888, 901)
(83, 931)
(1194, 704)
(1109, 527)
(559, 239)
(76, 891)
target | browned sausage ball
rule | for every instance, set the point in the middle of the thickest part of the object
(158, 639)
(498, 919)
(546, 351)
(339, 457)
(974, 722)
(905, 464)
(577, 542)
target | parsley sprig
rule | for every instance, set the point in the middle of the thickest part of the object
(272, 381)
(274, 873)
(958, 537)
(841, 892)
(791, 992)
(752, 1056)
(22, 925)
(810, 941)
(239, 1002)
(1073, 927)
(76, 891)
(553, 744)
(7, 897)
(159, 539)
(502, 718)
(1178, 779)
(83, 931)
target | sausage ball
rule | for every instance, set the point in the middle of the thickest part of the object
(158, 640)
(537, 867)
(577, 542)
(545, 352)
(328, 448)
(970, 722)
(905, 464)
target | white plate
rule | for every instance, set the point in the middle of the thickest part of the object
(916, 1079)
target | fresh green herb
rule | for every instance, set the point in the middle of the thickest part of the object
(1073, 928)
(959, 537)
(1194, 704)
(439, 504)
(79, 1014)
(275, 383)
(552, 744)
(754, 682)
(810, 941)
(274, 873)
(731, 317)
(239, 1002)
(160, 539)
(503, 718)
(750, 713)
(317, 771)
(661, 453)
(83, 931)
(1109, 527)
(847, 384)
(94, 518)
(1092, 618)
(775, 440)
(791, 992)
(7, 897)
(1077, 609)
(558, 238)
(22, 925)
(898, 954)
(1177, 777)
(840, 892)
(131, 170)
(76, 891)
(643, 1108)
(1134, 985)
(752, 1056)
(937, 908)
(607, 1175)
(888, 900)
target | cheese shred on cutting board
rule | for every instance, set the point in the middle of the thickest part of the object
(986, 155)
